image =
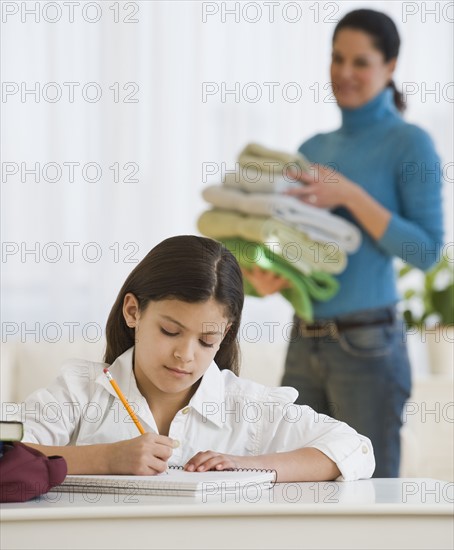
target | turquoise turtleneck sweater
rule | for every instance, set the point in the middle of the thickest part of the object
(396, 163)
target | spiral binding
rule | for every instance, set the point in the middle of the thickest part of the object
(261, 470)
(232, 469)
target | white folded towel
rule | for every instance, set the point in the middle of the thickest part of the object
(253, 180)
(317, 223)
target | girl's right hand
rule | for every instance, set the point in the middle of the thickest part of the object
(146, 455)
(265, 282)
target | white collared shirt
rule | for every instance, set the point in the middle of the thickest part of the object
(226, 414)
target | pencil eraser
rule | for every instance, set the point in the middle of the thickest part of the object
(105, 371)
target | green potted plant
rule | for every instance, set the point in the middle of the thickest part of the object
(428, 307)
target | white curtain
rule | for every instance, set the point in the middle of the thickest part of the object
(154, 124)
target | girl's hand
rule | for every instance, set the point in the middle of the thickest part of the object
(265, 282)
(146, 455)
(323, 187)
(211, 460)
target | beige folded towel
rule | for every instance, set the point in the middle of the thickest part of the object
(264, 170)
(270, 160)
(294, 246)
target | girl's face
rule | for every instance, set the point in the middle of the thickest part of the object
(358, 69)
(175, 342)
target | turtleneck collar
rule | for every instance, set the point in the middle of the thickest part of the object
(379, 107)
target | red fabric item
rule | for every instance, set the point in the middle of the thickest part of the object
(26, 473)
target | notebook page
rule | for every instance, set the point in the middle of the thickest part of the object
(174, 480)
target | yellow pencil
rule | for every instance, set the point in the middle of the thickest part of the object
(124, 401)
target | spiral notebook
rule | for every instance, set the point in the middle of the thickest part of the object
(173, 482)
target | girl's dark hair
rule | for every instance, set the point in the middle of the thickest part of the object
(385, 38)
(188, 268)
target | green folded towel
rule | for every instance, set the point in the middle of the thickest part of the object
(304, 288)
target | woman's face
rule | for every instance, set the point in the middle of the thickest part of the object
(358, 69)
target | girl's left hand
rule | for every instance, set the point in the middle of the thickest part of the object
(323, 187)
(212, 460)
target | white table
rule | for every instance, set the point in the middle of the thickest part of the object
(378, 513)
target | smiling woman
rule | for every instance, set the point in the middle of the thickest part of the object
(352, 363)
(362, 64)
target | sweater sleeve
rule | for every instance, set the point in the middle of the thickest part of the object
(415, 232)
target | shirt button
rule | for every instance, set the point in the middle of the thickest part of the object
(364, 449)
(185, 410)
(176, 443)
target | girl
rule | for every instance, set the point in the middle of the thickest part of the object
(172, 348)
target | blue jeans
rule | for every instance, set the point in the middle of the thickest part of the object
(359, 375)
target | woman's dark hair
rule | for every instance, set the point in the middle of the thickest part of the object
(188, 268)
(384, 34)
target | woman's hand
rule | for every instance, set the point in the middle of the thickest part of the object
(211, 460)
(326, 188)
(146, 455)
(265, 282)
(323, 187)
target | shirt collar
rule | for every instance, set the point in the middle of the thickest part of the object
(207, 400)
(209, 396)
(121, 371)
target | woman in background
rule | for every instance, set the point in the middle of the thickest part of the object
(384, 175)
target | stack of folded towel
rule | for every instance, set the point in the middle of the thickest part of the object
(279, 233)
